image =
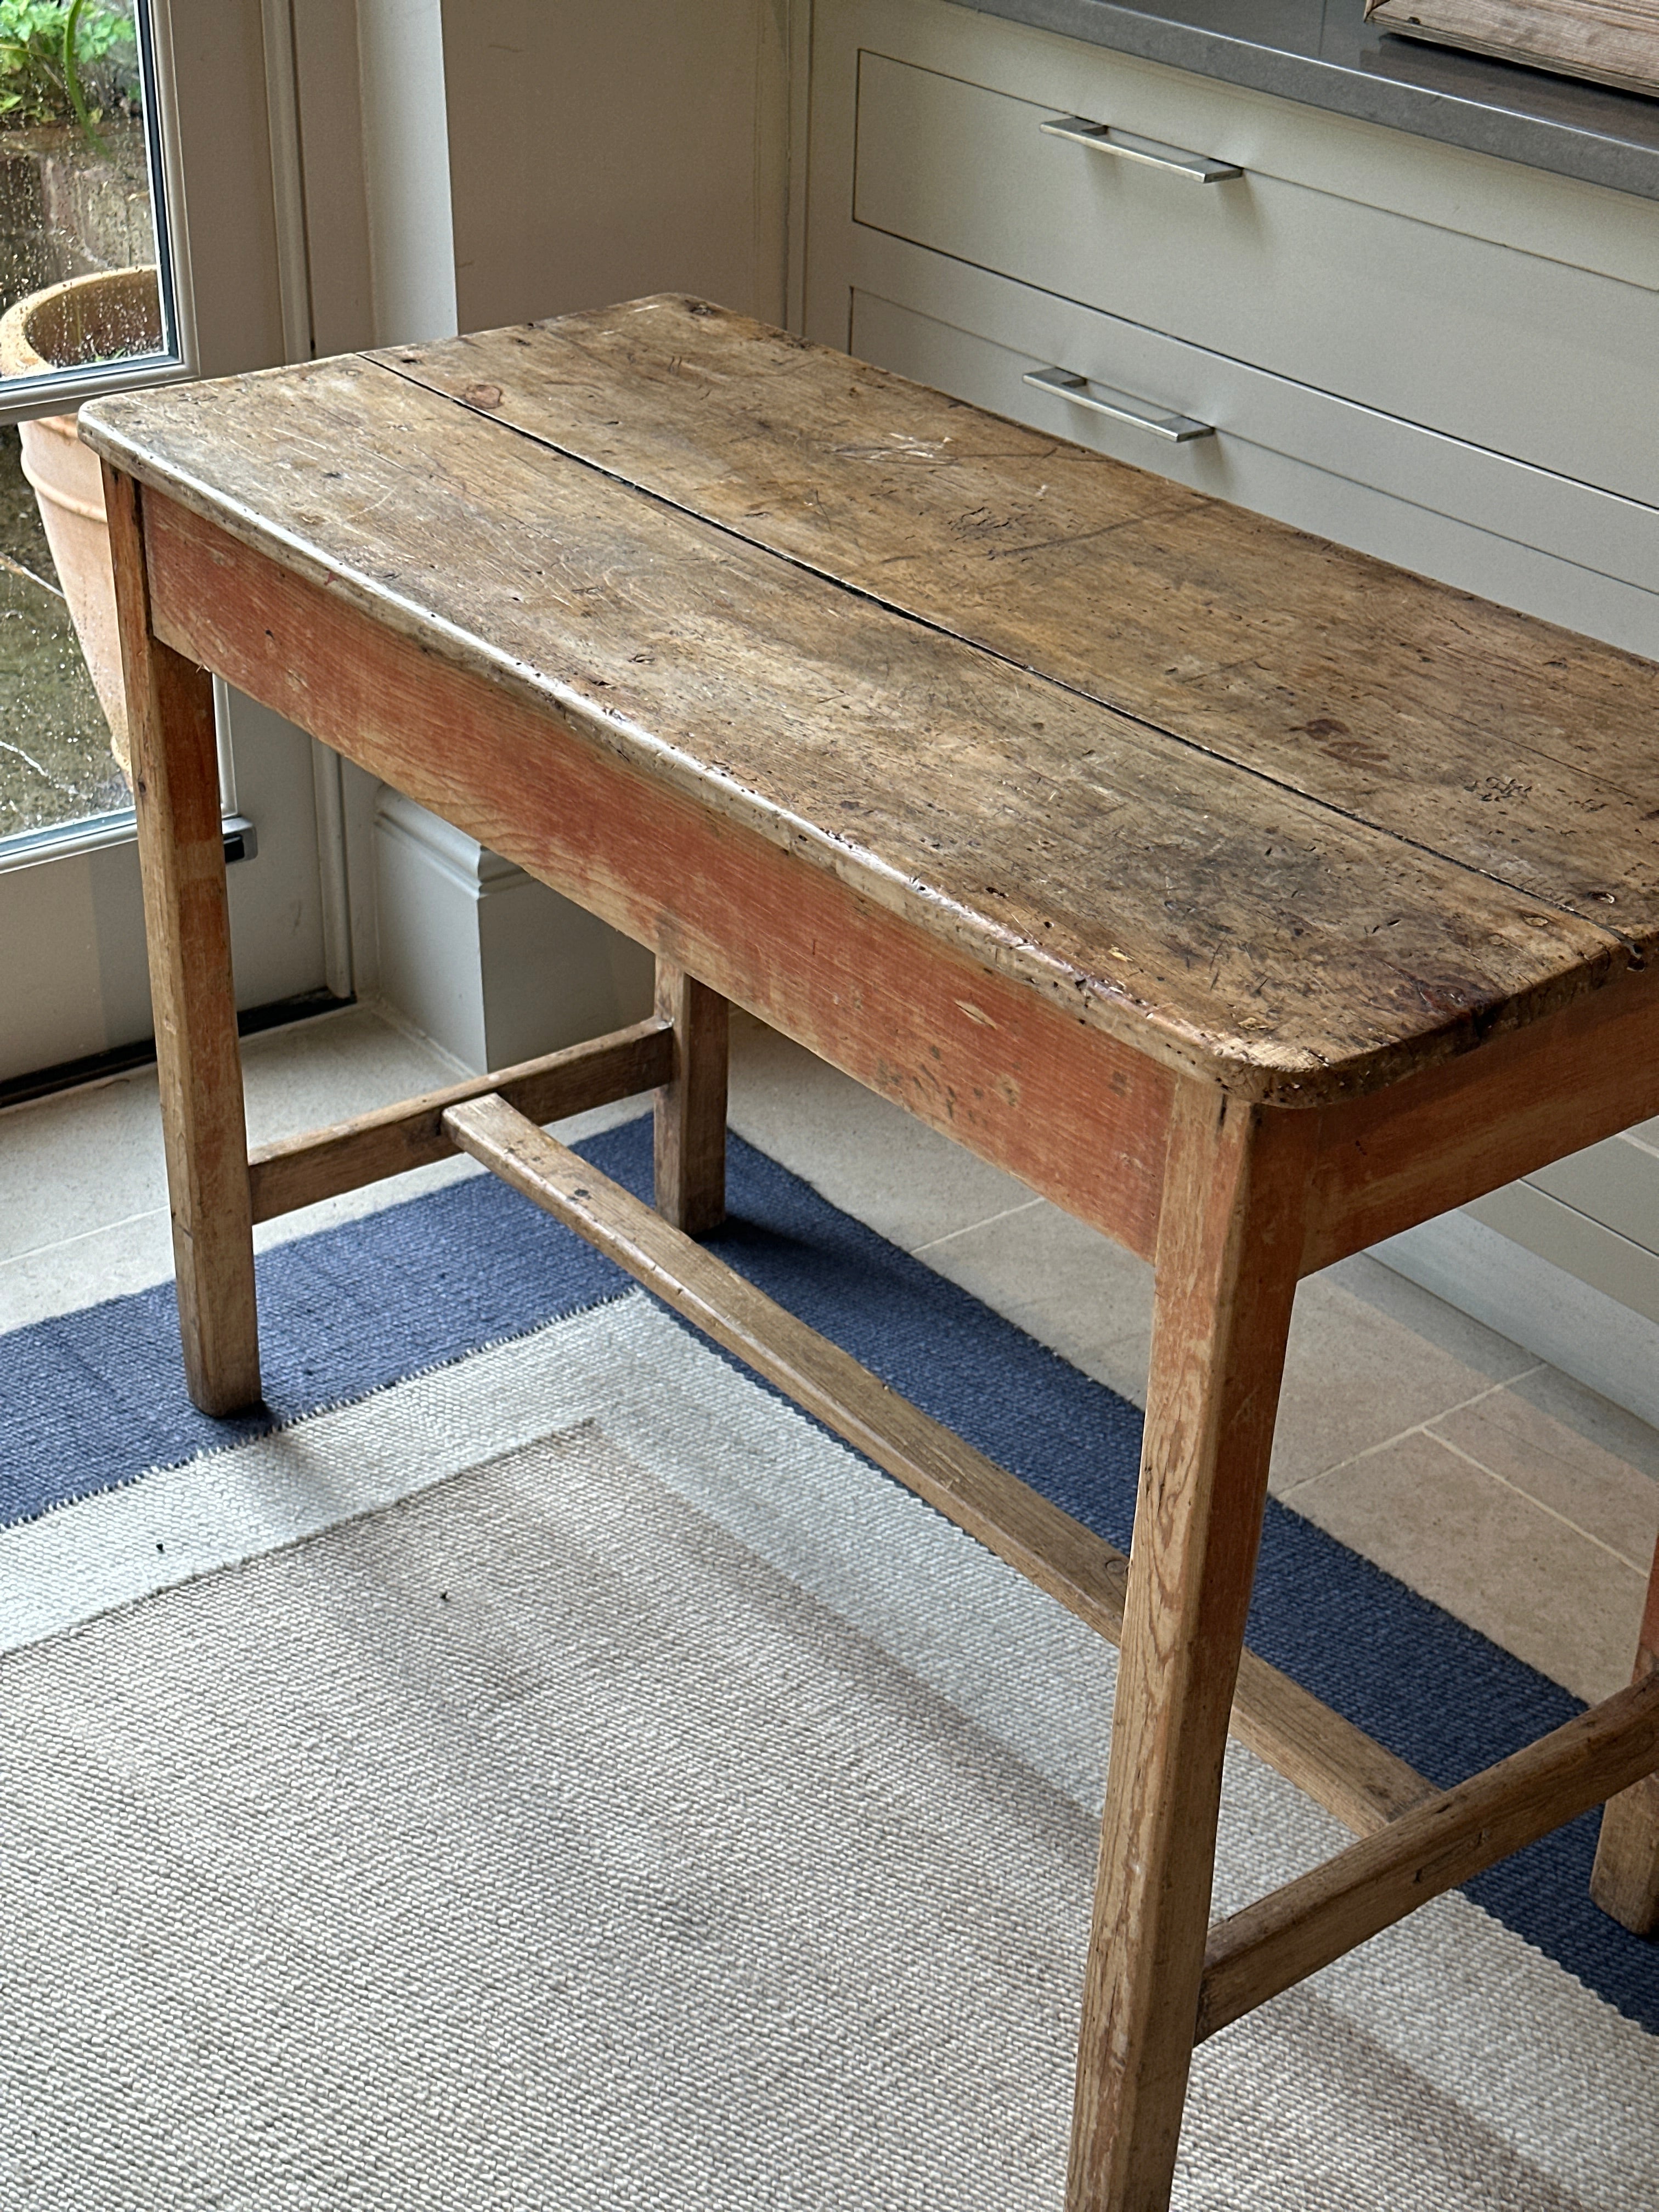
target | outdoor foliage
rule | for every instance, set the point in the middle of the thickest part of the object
(51, 51)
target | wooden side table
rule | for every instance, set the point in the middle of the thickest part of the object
(1251, 900)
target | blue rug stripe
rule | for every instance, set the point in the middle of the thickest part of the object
(91, 1400)
(95, 1398)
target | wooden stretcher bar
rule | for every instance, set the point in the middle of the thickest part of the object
(1415, 1842)
(297, 1172)
(1364, 1785)
(1286, 1936)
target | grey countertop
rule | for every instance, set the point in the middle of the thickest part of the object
(1323, 53)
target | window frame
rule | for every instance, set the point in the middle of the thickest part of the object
(61, 391)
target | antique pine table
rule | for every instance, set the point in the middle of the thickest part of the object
(1251, 900)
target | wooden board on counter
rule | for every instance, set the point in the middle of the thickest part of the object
(1608, 41)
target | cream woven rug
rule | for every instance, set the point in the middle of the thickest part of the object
(569, 1780)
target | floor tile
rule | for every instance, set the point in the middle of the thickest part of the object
(83, 1211)
(328, 1070)
(1123, 1366)
(83, 1271)
(74, 1164)
(1521, 1444)
(1584, 1414)
(1428, 1317)
(1356, 1375)
(1492, 1556)
(89, 1158)
(1063, 1283)
(1057, 1281)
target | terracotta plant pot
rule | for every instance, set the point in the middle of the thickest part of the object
(88, 319)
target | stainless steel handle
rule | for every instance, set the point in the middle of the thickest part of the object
(1199, 167)
(1144, 414)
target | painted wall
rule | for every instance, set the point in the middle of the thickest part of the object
(604, 149)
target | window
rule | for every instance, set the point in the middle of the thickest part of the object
(87, 303)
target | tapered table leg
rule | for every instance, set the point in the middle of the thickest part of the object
(175, 775)
(1229, 1249)
(1625, 1880)
(691, 1111)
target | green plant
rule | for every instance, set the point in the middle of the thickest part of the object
(44, 47)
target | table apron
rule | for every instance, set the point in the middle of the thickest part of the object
(990, 1062)
(993, 1062)
(1452, 1132)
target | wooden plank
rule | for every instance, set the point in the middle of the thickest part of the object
(1284, 1937)
(690, 1134)
(1624, 1881)
(1227, 1265)
(175, 782)
(1453, 1132)
(1518, 748)
(1364, 1785)
(1010, 1072)
(297, 1172)
(1608, 41)
(1222, 921)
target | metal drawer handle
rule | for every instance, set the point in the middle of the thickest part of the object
(1145, 415)
(1124, 143)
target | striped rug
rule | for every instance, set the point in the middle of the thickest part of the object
(536, 1766)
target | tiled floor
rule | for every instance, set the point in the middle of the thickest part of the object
(1506, 1492)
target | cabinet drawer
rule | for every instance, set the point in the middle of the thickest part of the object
(1553, 364)
(1473, 519)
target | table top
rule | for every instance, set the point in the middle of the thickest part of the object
(1261, 806)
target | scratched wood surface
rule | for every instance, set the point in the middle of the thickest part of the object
(1518, 748)
(999, 1067)
(1262, 924)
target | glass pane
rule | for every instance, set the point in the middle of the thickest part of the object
(79, 278)
(56, 761)
(82, 291)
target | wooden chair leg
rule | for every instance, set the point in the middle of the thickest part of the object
(1228, 1252)
(175, 775)
(1625, 1880)
(691, 1111)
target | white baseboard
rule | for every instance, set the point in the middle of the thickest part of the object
(489, 963)
(1608, 1347)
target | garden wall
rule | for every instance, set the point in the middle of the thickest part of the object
(67, 211)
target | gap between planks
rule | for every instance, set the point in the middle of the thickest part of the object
(1014, 652)
(1364, 1785)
